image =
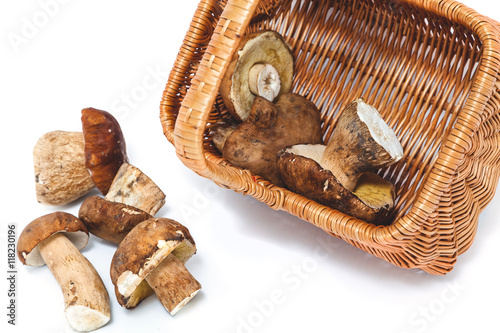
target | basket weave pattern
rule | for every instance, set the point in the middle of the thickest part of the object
(430, 67)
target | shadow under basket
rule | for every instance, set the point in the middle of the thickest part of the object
(430, 67)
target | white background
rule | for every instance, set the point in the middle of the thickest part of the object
(261, 270)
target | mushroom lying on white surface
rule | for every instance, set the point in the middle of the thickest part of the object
(132, 198)
(68, 165)
(56, 240)
(155, 252)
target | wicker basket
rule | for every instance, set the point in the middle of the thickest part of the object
(429, 66)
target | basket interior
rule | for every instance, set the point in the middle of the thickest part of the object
(415, 67)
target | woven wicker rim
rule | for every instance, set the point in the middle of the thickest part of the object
(186, 129)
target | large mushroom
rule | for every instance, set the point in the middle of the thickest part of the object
(153, 254)
(132, 198)
(300, 167)
(362, 141)
(56, 240)
(340, 175)
(69, 164)
(261, 66)
(253, 145)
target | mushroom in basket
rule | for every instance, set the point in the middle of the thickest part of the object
(339, 175)
(261, 66)
(253, 145)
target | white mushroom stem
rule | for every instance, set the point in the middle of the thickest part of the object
(86, 299)
(132, 187)
(264, 80)
(173, 284)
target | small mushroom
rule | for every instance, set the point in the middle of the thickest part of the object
(303, 173)
(261, 66)
(132, 198)
(56, 240)
(155, 251)
(109, 220)
(69, 164)
(269, 128)
(360, 142)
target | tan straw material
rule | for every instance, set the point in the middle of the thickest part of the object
(429, 66)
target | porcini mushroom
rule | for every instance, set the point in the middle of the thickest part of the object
(302, 171)
(362, 141)
(109, 220)
(69, 164)
(56, 240)
(261, 66)
(105, 149)
(155, 251)
(132, 198)
(253, 145)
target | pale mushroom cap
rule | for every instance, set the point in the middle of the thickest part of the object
(59, 164)
(267, 47)
(45, 226)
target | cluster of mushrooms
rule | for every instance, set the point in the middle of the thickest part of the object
(151, 251)
(277, 134)
(273, 133)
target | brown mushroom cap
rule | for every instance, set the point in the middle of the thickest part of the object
(108, 220)
(140, 252)
(105, 149)
(253, 145)
(45, 226)
(264, 47)
(371, 200)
